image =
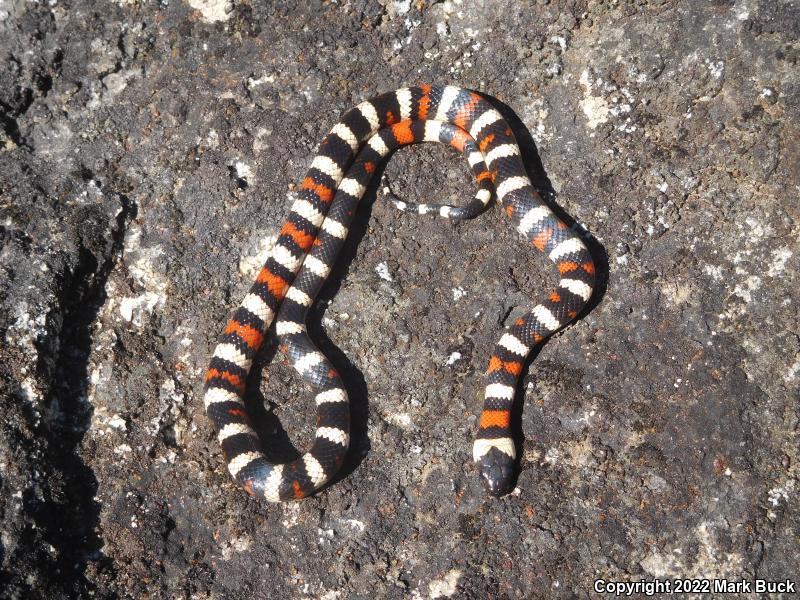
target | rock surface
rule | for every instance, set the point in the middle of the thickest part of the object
(147, 157)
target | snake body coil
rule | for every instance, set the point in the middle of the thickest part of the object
(306, 249)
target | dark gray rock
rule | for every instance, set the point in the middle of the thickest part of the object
(148, 152)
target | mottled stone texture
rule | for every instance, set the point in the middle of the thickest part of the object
(147, 156)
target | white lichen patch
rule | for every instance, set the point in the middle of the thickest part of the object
(254, 82)
(117, 422)
(401, 7)
(27, 327)
(778, 263)
(711, 560)
(250, 264)
(135, 309)
(661, 564)
(143, 266)
(780, 494)
(792, 372)
(715, 67)
(211, 140)
(261, 139)
(742, 9)
(453, 358)
(553, 69)
(122, 449)
(677, 293)
(29, 392)
(445, 586)
(212, 11)
(99, 376)
(744, 289)
(291, 512)
(535, 115)
(186, 355)
(169, 458)
(236, 545)
(114, 83)
(595, 108)
(325, 535)
(142, 262)
(552, 456)
(171, 401)
(714, 271)
(243, 171)
(579, 454)
(104, 423)
(755, 229)
(559, 40)
(458, 293)
(382, 269)
(355, 525)
(402, 420)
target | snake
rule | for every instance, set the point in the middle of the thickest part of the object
(305, 251)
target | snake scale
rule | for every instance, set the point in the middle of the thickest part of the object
(306, 249)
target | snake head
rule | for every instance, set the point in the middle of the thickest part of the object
(497, 471)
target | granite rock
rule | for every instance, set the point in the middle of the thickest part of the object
(148, 155)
